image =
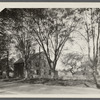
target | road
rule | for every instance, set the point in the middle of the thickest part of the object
(11, 88)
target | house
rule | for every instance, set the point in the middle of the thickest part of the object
(38, 65)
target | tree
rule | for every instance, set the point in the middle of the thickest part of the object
(23, 45)
(72, 60)
(20, 30)
(5, 40)
(91, 25)
(51, 28)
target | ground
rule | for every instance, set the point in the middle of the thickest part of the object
(17, 88)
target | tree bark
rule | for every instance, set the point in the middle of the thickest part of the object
(95, 74)
(54, 71)
(25, 70)
(96, 80)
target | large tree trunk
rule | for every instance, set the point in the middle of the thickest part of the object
(96, 80)
(26, 66)
(52, 68)
(95, 76)
(25, 74)
(55, 74)
(25, 71)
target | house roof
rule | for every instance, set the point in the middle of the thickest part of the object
(19, 61)
(36, 54)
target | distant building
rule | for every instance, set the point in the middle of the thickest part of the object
(39, 67)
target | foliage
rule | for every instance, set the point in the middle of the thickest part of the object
(53, 30)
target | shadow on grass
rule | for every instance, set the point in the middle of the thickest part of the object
(57, 82)
(60, 82)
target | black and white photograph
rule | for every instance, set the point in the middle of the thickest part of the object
(50, 50)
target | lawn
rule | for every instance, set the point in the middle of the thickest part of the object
(60, 82)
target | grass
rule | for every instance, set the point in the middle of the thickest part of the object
(60, 82)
